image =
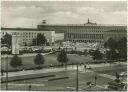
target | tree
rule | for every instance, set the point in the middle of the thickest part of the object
(118, 48)
(122, 48)
(111, 55)
(16, 61)
(39, 60)
(7, 39)
(97, 55)
(111, 44)
(41, 39)
(62, 57)
(34, 42)
(122, 43)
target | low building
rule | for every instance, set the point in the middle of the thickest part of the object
(28, 34)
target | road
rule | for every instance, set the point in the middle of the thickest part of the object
(63, 84)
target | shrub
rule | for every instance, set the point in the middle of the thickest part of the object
(16, 61)
(39, 60)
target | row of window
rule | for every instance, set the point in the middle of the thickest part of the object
(92, 41)
(78, 31)
(22, 33)
(30, 36)
(89, 36)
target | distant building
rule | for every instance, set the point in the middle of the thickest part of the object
(88, 32)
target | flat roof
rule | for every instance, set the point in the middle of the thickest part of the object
(82, 25)
(32, 29)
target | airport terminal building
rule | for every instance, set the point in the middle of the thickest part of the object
(88, 32)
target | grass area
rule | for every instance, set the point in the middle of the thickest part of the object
(28, 62)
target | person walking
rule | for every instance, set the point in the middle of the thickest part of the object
(2, 72)
(95, 79)
(85, 66)
(29, 87)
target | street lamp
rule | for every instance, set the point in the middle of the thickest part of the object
(77, 78)
(95, 79)
(7, 73)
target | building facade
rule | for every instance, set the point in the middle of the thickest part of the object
(88, 32)
(27, 34)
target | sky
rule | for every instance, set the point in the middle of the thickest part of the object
(31, 13)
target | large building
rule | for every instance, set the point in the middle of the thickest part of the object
(28, 34)
(88, 32)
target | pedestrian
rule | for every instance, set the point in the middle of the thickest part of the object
(95, 79)
(29, 87)
(2, 72)
(51, 65)
(85, 67)
(117, 75)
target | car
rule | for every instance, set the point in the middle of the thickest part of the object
(4, 48)
(116, 86)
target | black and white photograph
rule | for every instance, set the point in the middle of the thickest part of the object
(75, 46)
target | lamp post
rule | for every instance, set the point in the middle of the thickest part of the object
(77, 78)
(7, 74)
(95, 79)
(36, 41)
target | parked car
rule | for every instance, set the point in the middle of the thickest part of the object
(113, 85)
(4, 48)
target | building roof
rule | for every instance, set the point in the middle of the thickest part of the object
(87, 24)
(25, 29)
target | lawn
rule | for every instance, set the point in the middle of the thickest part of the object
(28, 61)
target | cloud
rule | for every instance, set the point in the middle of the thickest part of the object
(29, 15)
(21, 16)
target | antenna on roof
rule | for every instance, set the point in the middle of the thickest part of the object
(88, 20)
(44, 21)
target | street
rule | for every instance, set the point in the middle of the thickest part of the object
(63, 84)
